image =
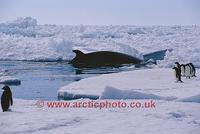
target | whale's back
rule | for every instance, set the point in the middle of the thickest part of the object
(102, 58)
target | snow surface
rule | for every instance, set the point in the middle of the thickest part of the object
(113, 93)
(177, 107)
(167, 117)
(24, 39)
(138, 84)
(155, 84)
(195, 98)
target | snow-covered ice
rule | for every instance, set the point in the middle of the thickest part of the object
(167, 117)
(170, 116)
(153, 82)
(113, 93)
(24, 39)
(156, 84)
(8, 80)
(195, 98)
(177, 107)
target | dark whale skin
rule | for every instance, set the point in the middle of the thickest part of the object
(102, 58)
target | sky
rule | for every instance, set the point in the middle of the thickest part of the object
(104, 12)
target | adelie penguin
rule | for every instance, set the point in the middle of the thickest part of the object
(178, 72)
(193, 70)
(183, 70)
(178, 65)
(6, 98)
(188, 71)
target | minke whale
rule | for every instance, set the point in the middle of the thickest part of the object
(109, 58)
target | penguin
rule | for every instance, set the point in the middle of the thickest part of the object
(178, 74)
(183, 70)
(178, 65)
(6, 98)
(193, 70)
(188, 70)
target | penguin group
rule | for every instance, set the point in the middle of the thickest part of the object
(184, 70)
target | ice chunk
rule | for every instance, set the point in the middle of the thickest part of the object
(113, 93)
(195, 98)
(7, 80)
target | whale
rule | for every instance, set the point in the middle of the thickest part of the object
(109, 58)
(102, 58)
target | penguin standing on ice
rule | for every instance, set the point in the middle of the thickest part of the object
(178, 74)
(177, 69)
(193, 70)
(188, 71)
(183, 70)
(178, 65)
(6, 98)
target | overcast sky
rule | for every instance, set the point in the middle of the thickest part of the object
(104, 12)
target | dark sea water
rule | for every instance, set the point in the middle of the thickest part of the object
(41, 80)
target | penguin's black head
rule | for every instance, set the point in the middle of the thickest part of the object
(6, 88)
(176, 63)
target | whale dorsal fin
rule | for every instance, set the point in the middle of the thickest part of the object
(78, 52)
